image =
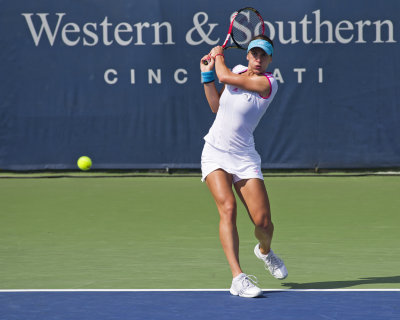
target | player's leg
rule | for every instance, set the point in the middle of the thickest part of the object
(254, 196)
(220, 184)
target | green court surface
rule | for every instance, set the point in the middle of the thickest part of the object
(162, 232)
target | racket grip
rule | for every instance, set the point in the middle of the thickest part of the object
(205, 62)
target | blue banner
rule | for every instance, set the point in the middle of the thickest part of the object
(119, 81)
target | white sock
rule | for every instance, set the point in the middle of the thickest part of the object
(238, 277)
(262, 254)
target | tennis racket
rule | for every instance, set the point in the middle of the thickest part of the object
(245, 24)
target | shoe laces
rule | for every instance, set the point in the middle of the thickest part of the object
(273, 262)
(248, 281)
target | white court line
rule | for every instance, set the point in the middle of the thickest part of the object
(193, 290)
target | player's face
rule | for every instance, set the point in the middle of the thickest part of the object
(258, 60)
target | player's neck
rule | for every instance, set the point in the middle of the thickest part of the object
(251, 73)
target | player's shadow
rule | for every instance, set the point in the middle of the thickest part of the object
(342, 284)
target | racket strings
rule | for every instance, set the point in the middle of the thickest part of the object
(246, 25)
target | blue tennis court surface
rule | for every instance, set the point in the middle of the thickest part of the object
(176, 305)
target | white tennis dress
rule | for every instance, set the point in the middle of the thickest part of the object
(230, 141)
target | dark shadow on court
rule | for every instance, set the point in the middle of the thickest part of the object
(342, 284)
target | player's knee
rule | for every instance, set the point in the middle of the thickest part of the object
(264, 222)
(227, 210)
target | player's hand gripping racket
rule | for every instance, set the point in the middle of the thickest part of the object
(246, 23)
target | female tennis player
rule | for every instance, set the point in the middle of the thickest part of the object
(229, 156)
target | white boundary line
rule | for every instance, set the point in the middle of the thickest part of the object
(194, 290)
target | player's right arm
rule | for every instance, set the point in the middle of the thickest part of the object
(210, 89)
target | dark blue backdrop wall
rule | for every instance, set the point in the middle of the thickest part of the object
(119, 81)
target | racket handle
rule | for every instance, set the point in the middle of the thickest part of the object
(205, 62)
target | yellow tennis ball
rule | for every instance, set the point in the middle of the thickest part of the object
(84, 163)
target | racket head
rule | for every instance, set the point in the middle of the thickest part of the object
(246, 23)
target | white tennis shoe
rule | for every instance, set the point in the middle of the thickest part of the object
(272, 262)
(245, 286)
